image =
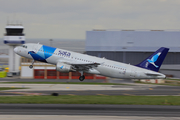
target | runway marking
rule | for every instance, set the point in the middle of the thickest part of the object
(67, 87)
(24, 93)
(150, 88)
(129, 91)
(52, 85)
(128, 94)
(176, 89)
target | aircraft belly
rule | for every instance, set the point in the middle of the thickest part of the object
(27, 56)
(110, 72)
(104, 71)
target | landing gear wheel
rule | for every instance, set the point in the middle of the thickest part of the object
(81, 78)
(30, 66)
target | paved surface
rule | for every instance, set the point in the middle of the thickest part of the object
(102, 110)
(82, 117)
(65, 87)
(64, 80)
(74, 89)
(88, 112)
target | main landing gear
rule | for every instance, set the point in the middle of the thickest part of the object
(31, 66)
(82, 77)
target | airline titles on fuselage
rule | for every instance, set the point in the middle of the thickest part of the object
(68, 55)
(64, 53)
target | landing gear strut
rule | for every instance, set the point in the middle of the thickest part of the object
(31, 66)
(82, 77)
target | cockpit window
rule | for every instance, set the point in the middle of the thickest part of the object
(24, 46)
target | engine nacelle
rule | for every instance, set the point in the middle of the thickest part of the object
(62, 67)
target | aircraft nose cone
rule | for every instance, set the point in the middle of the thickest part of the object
(15, 49)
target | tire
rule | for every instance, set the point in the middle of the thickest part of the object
(30, 66)
(81, 78)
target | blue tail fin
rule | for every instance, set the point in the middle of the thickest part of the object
(154, 61)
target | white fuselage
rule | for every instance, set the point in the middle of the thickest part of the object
(107, 67)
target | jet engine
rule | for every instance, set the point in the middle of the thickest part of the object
(62, 67)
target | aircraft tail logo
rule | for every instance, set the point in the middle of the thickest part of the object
(154, 61)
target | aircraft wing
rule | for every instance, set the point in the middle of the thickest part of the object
(81, 66)
(85, 66)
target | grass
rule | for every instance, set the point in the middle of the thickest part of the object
(88, 83)
(9, 88)
(90, 99)
(172, 79)
(167, 83)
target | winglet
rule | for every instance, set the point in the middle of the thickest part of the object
(154, 61)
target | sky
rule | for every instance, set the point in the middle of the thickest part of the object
(70, 19)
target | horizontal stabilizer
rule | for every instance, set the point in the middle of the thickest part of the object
(153, 74)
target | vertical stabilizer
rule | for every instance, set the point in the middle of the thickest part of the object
(154, 61)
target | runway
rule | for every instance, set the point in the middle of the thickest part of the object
(100, 110)
(80, 111)
(82, 117)
(72, 89)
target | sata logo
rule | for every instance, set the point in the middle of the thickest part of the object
(64, 53)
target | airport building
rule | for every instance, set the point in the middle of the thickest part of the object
(133, 46)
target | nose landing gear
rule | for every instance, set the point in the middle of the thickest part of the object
(31, 66)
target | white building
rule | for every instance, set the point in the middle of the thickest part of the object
(13, 37)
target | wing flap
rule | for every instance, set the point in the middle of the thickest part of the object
(84, 66)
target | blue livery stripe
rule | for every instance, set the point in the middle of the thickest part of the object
(49, 50)
(43, 53)
(36, 56)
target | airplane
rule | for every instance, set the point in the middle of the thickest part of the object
(68, 61)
